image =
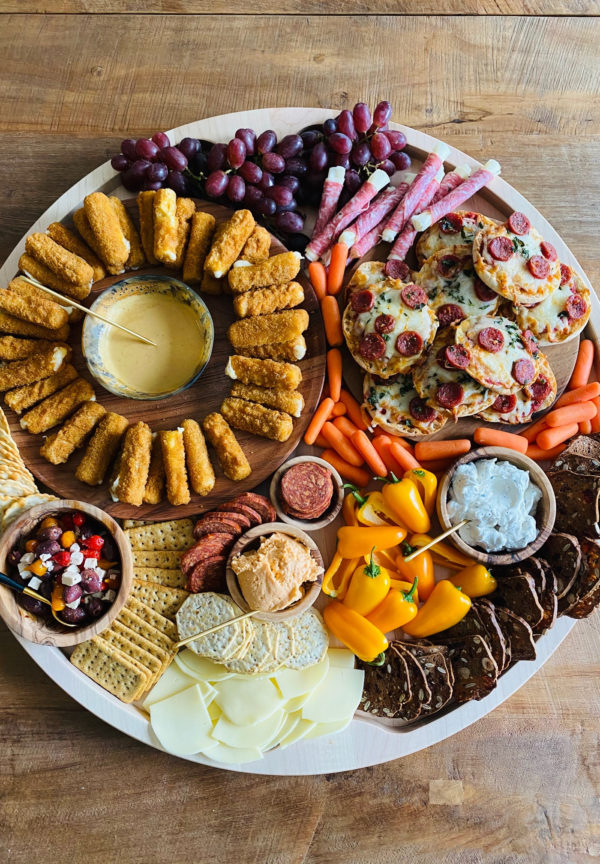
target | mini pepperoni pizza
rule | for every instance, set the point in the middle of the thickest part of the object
(395, 406)
(521, 406)
(389, 326)
(455, 291)
(500, 356)
(514, 260)
(374, 272)
(563, 314)
(453, 229)
(444, 385)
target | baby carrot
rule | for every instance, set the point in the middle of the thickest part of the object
(332, 320)
(537, 454)
(585, 427)
(341, 444)
(430, 450)
(382, 443)
(595, 421)
(318, 279)
(532, 431)
(404, 457)
(337, 267)
(369, 453)
(406, 445)
(496, 438)
(571, 414)
(316, 424)
(358, 476)
(334, 373)
(581, 394)
(550, 438)
(353, 409)
(346, 427)
(338, 410)
(583, 365)
(321, 442)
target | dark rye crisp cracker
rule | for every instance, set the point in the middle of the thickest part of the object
(563, 554)
(546, 592)
(421, 694)
(386, 689)
(495, 638)
(576, 502)
(518, 633)
(518, 594)
(587, 586)
(438, 673)
(475, 670)
(470, 625)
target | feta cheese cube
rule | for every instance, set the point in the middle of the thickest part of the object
(77, 558)
(75, 547)
(74, 604)
(28, 558)
(45, 558)
(90, 563)
(110, 595)
(71, 578)
(34, 583)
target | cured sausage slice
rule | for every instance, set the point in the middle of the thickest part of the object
(249, 512)
(482, 291)
(449, 313)
(450, 395)
(529, 343)
(408, 343)
(208, 575)
(548, 251)
(362, 301)
(371, 346)
(491, 339)
(451, 223)
(384, 323)
(519, 223)
(523, 371)
(538, 267)
(540, 388)
(457, 357)
(260, 503)
(576, 307)
(306, 490)
(395, 269)
(421, 411)
(448, 265)
(217, 526)
(565, 274)
(504, 404)
(414, 296)
(500, 248)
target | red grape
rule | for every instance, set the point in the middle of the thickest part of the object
(341, 159)
(345, 124)
(380, 146)
(291, 182)
(382, 114)
(248, 136)
(253, 196)
(132, 179)
(329, 126)
(198, 163)
(310, 138)
(161, 139)
(396, 139)
(177, 182)
(157, 172)
(120, 162)
(173, 158)
(401, 160)
(265, 181)
(296, 166)
(266, 141)
(236, 188)
(352, 180)
(236, 153)
(217, 157)
(150, 186)
(339, 143)
(273, 162)
(289, 222)
(216, 184)
(251, 172)
(281, 195)
(266, 206)
(319, 158)
(290, 146)
(388, 166)
(189, 147)
(128, 148)
(362, 117)
(146, 149)
(361, 153)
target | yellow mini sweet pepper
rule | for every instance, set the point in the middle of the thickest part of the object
(420, 567)
(354, 542)
(338, 575)
(447, 605)
(358, 635)
(384, 559)
(395, 610)
(445, 552)
(474, 581)
(368, 586)
(403, 499)
(349, 508)
(371, 508)
(426, 483)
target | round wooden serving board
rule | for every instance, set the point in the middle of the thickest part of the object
(196, 402)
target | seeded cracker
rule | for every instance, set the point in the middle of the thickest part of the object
(258, 651)
(111, 669)
(161, 576)
(176, 535)
(310, 638)
(164, 625)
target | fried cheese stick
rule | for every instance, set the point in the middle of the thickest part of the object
(136, 258)
(257, 246)
(210, 285)
(26, 290)
(66, 238)
(111, 243)
(232, 458)
(23, 398)
(178, 491)
(200, 469)
(263, 373)
(229, 242)
(266, 329)
(56, 408)
(145, 201)
(155, 484)
(58, 447)
(32, 368)
(165, 226)
(201, 233)
(12, 348)
(16, 327)
(274, 271)
(49, 278)
(290, 351)
(262, 301)
(83, 227)
(65, 264)
(184, 211)
(256, 419)
(101, 449)
(289, 401)
(134, 464)
(30, 306)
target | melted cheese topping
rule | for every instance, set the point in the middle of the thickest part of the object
(388, 405)
(435, 240)
(493, 370)
(368, 273)
(459, 289)
(523, 410)
(549, 320)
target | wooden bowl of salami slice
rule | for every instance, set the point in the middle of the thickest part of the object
(545, 513)
(333, 507)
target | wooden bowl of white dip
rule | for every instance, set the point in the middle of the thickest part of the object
(484, 502)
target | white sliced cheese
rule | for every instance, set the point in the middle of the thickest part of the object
(259, 734)
(299, 731)
(245, 700)
(200, 668)
(341, 657)
(289, 724)
(322, 729)
(181, 722)
(297, 682)
(336, 698)
(172, 681)
(233, 755)
(295, 704)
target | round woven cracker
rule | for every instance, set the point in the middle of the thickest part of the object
(201, 612)
(311, 640)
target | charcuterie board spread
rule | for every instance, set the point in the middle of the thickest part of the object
(165, 348)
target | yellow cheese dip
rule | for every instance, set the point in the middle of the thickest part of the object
(175, 328)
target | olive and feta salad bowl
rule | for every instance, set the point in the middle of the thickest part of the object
(77, 557)
(507, 499)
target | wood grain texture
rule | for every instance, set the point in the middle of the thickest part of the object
(528, 775)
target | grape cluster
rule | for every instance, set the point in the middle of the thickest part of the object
(153, 163)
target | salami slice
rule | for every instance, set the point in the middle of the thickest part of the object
(548, 251)
(228, 518)
(384, 323)
(371, 346)
(576, 307)
(491, 339)
(500, 248)
(523, 371)
(441, 358)
(540, 388)
(421, 411)
(408, 343)
(217, 526)
(449, 265)
(449, 314)
(457, 356)
(451, 223)
(209, 545)
(565, 274)
(249, 512)
(395, 269)
(414, 296)
(504, 404)
(306, 489)
(529, 343)
(260, 503)
(362, 301)
(482, 291)
(208, 575)
(518, 223)
(450, 394)
(538, 267)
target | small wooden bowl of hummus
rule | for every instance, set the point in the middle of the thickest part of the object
(275, 570)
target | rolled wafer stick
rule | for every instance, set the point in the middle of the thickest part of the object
(332, 189)
(457, 196)
(406, 237)
(451, 180)
(357, 204)
(385, 202)
(405, 209)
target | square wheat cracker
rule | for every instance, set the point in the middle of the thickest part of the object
(157, 558)
(110, 668)
(175, 536)
(155, 619)
(147, 631)
(166, 601)
(161, 576)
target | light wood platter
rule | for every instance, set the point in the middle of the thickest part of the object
(367, 741)
(196, 402)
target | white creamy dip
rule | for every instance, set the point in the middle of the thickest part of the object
(500, 501)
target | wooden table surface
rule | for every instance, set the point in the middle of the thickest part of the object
(523, 784)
